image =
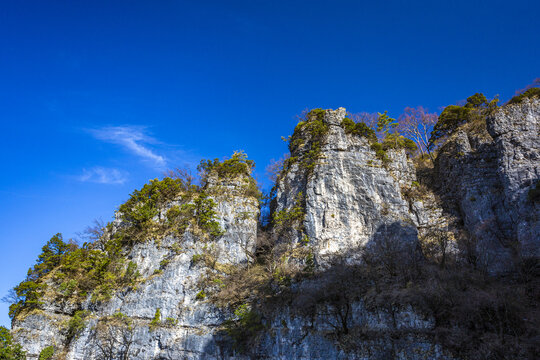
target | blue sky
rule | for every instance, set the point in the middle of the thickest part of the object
(97, 97)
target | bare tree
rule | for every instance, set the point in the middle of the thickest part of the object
(416, 124)
(93, 232)
(302, 116)
(436, 243)
(339, 310)
(182, 173)
(114, 338)
(11, 297)
(274, 168)
(330, 295)
(535, 83)
(370, 119)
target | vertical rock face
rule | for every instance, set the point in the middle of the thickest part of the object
(467, 181)
(349, 196)
(516, 132)
(484, 176)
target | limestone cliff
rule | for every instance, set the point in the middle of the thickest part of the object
(350, 195)
(339, 205)
(484, 173)
(172, 269)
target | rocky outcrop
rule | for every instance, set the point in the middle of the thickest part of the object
(516, 133)
(335, 199)
(484, 173)
(172, 287)
(293, 337)
(349, 195)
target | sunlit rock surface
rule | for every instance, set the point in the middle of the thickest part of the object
(351, 201)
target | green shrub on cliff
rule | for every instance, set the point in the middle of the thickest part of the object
(76, 324)
(380, 152)
(9, 350)
(51, 255)
(29, 295)
(476, 108)
(200, 211)
(47, 353)
(156, 321)
(143, 204)
(75, 273)
(244, 327)
(309, 135)
(238, 164)
(293, 217)
(397, 141)
(392, 139)
(528, 94)
(385, 123)
(359, 129)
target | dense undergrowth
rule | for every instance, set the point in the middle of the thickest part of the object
(476, 315)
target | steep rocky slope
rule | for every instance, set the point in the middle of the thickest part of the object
(484, 173)
(172, 269)
(339, 205)
(350, 195)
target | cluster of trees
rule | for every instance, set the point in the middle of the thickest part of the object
(476, 108)
(409, 132)
(75, 272)
(418, 130)
(237, 164)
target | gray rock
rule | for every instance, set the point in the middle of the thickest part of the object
(351, 202)
(349, 195)
(516, 132)
(484, 175)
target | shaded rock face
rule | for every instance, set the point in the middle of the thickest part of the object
(516, 132)
(484, 175)
(300, 338)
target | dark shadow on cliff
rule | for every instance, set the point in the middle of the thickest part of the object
(475, 316)
(466, 183)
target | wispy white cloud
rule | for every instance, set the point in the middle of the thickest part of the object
(103, 175)
(133, 139)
